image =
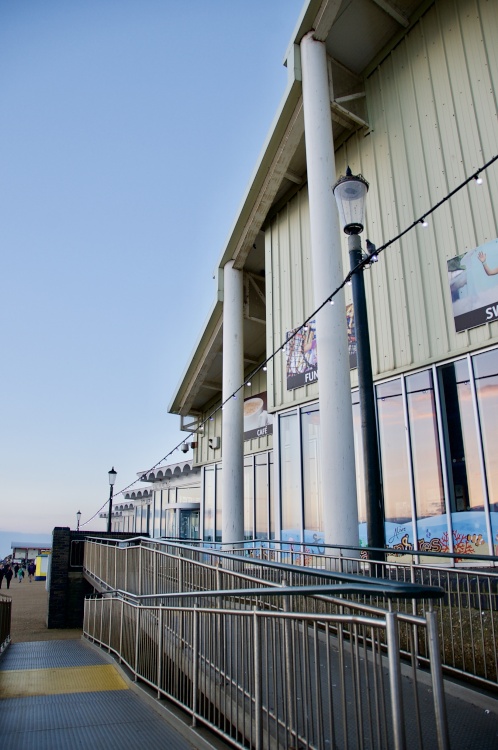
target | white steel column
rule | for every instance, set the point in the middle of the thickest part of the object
(233, 411)
(336, 416)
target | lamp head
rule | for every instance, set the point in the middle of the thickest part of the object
(112, 476)
(350, 193)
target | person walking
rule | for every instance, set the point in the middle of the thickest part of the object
(8, 575)
(31, 571)
(20, 574)
(2, 573)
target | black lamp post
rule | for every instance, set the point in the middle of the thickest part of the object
(78, 519)
(112, 479)
(350, 193)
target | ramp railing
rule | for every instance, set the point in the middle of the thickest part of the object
(263, 673)
(467, 614)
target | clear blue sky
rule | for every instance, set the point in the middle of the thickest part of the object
(129, 132)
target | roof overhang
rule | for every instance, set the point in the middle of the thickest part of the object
(358, 35)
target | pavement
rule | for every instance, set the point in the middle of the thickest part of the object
(65, 694)
(58, 691)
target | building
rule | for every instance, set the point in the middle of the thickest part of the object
(169, 507)
(405, 94)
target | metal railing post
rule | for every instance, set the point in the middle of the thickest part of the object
(160, 653)
(257, 655)
(443, 741)
(290, 692)
(110, 625)
(154, 573)
(140, 549)
(137, 637)
(395, 681)
(121, 632)
(180, 575)
(195, 664)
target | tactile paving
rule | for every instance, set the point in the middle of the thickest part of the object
(20, 683)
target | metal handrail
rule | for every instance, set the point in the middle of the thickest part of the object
(467, 617)
(242, 546)
(255, 676)
(395, 591)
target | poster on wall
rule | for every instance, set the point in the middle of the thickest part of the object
(473, 279)
(301, 352)
(351, 336)
(257, 422)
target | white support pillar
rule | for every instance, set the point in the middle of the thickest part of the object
(336, 416)
(233, 411)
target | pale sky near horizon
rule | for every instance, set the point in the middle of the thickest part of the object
(129, 133)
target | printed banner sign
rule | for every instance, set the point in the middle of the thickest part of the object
(301, 352)
(473, 279)
(257, 422)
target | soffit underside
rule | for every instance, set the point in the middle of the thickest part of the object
(362, 32)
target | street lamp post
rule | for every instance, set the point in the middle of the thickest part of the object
(350, 193)
(112, 479)
(78, 519)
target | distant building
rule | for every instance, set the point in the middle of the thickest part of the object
(169, 508)
(23, 551)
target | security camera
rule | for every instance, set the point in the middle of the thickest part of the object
(184, 448)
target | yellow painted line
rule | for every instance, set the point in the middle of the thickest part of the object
(22, 683)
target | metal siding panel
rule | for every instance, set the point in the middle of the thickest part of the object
(430, 105)
(289, 250)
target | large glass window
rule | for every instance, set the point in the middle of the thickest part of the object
(271, 497)
(248, 499)
(171, 531)
(359, 465)
(163, 511)
(219, 503)
(261, 495)
(426, 461)
(461, 438)
(394, 459)
(310, 432)
(209, 504)
(486, 375)
(157, 513)
(290, 477)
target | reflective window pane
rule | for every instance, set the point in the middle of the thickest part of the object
(461, 438)
(486, 375)
(310, 435)
(157, 513)
(358, 459)
(290, 477)
(209, 504)
(426, 462)
(248, 499)
(393, 448)
(271, 503)
(261, 495)
(219, 504)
